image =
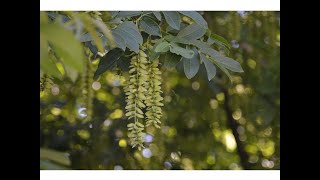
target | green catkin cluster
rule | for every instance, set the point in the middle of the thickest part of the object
(135, 90)
(143, 92)
(153, 100)
(45, 82)
(87, 89)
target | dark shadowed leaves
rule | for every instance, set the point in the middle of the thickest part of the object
(108, 61)
(171, 60)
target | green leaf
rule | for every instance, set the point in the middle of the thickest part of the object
(187, 53)
(211, 69)
(123, 63)
(192, 32)
(224, 70)
(172, 18)
(171, 60)
(176, 39)
(196, 17)
(211, 52)
(229, 63)
(120, 42)
(67, 46)
(150, 26)
(220, 39)
(128, 13)
(191, 66)
(130, 28)
(157, 15)
(225, 61)
(46, 65)
(56, 156)
(130, 33)
(153, 55)
(164, 46)
(107, 61)
(200, 44)
(49, 68)
(71, 73)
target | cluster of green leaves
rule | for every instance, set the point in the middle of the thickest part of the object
(62, 41)
(176, 36)
(194, 133)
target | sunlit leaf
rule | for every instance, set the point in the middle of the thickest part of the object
(65, 44)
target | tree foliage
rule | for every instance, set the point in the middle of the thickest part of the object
(85, 60)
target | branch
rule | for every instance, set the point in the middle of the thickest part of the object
(233, 125)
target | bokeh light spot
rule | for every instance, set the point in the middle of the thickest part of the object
(56, 111)
(220, 97)
(107, 122)
(240, 88)
(237, 114)
(211, 160)
(146, 153)
(118, 113)
(123, 143)
(251, 63)
(229, 141)
(96, 85)
(82, 112)
(55, 90)
(214, 104)
(148, 138)
(83, 134)
(195, 85)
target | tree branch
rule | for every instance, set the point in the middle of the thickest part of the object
(233, 125)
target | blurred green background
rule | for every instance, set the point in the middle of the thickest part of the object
(217, 125)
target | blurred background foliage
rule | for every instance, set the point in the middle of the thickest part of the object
(216, 125)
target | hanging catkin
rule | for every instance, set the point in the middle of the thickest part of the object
(87, 89)
(153, 100)
(135, 90)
